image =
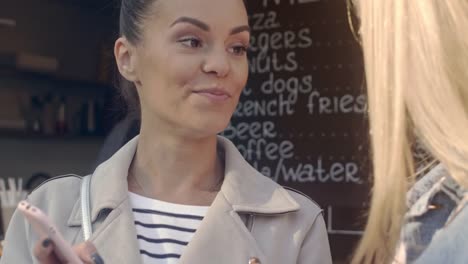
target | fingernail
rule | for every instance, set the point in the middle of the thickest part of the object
(97, 259)
(46, 243)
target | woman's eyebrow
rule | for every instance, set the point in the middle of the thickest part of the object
(202, 25)
(240, 29)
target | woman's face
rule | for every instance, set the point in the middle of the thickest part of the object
(191, 64)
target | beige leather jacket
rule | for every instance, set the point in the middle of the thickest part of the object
(251, 217)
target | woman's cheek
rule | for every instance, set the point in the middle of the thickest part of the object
(241, 69)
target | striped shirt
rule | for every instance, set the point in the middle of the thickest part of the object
(164, 229)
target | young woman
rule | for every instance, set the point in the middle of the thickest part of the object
(416, 64)
(178, 193)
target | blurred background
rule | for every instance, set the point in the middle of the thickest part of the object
(301, 119)
(56, 85)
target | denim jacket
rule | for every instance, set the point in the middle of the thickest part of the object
(436, 224)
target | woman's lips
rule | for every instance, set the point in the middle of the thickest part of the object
(215, 94)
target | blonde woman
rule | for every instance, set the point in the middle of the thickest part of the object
(416, 58)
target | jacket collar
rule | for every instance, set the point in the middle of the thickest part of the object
(245, 189)
(249, 191)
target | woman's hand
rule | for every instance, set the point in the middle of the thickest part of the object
(45, 254)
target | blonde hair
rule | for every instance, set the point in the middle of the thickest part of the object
(416, 59)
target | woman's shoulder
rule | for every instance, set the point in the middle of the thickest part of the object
(60, 191)
(56, 198)
(283, 196)
(434, 218)
(306, 203)
(426, 184)
(449, 244)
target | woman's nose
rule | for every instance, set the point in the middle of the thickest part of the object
(217, 62)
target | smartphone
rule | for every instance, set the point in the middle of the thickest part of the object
(45, 228)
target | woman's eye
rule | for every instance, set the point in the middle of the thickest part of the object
(191, 42)
(239, 50)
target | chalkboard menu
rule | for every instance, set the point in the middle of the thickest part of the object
(301, 119)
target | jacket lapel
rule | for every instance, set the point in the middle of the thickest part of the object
(222, 237)
(222, 233)
(114, 231)
(116, 238)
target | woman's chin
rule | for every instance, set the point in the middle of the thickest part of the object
(211, 128)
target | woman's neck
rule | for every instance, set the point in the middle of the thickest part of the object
(176, 169)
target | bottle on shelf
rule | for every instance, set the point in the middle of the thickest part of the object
(49, 117)
(34, 122)
(61, 124)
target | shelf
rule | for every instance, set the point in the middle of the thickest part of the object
(48, 81)
(21, 135)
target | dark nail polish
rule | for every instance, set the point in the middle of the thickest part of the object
(46, 243)
(97, 259)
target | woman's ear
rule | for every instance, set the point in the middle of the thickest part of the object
(125, 58)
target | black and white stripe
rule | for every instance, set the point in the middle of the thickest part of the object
(164, 229)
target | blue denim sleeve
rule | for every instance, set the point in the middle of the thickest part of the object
(419, 230)
(433, 231)
(449, 244)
